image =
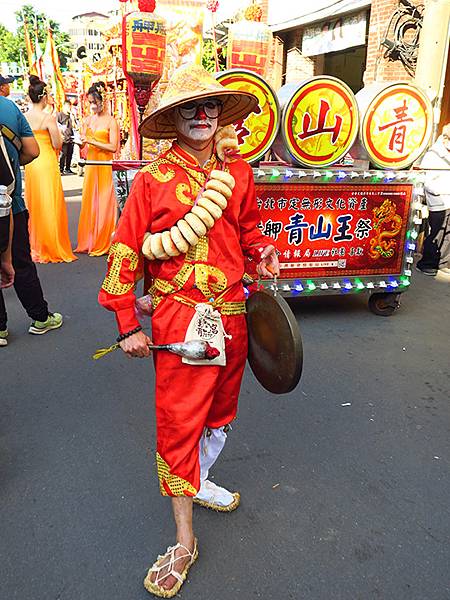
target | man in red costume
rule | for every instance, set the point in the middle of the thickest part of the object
(193, 215)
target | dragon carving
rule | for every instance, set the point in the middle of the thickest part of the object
(382, 244)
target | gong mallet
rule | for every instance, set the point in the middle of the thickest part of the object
(193, 349)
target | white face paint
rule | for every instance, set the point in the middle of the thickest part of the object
(200, 129)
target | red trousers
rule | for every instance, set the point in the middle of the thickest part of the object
(190, 398)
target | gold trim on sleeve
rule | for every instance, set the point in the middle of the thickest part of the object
(119, 252)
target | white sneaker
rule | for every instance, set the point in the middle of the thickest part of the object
(3, 337)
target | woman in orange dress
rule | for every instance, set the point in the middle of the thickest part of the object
(44, 196)
(98, 205)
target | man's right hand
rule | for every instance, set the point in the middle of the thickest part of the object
(136, 346)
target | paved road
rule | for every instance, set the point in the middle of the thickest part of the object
(339, 502)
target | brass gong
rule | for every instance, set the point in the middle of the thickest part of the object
(275, 350)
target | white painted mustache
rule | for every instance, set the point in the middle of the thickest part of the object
(202, 122)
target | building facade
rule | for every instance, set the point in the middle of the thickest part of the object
(366, 41)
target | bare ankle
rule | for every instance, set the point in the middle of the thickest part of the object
(186, 538)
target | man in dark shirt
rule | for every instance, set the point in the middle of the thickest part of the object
(65, 123)
(22, 148)
(5, 82)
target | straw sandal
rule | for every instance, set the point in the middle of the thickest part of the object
(162, 563)
(219, 507)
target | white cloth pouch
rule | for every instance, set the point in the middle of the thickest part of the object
(206, 325)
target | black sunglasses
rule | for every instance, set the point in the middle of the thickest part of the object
(211, 108)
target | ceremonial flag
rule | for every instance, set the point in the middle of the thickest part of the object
(52, 71)
(28, 46)
(36, 68)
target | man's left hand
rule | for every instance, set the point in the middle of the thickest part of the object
(6, 274)
(269, 265)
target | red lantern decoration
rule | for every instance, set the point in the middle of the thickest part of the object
(143, 51)
(143, 47)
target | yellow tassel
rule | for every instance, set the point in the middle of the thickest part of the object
(101, 352)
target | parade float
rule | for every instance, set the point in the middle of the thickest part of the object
(333, 176)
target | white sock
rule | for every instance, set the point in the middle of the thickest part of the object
(211, 445)
(210, 492)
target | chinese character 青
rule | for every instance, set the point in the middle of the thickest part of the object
(295, 228)
(398, 135)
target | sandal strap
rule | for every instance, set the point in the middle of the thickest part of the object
(170, 554)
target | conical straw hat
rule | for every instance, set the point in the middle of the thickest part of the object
(192, 83)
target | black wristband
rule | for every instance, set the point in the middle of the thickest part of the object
(123, 336)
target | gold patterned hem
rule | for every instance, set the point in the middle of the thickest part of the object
(177, 485)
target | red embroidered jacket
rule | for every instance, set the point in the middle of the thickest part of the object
(161, 194)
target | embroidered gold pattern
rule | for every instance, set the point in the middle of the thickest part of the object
(119, 252)
(232, 308)
(183, 275)
(226, 308)
(163, 286)
(177, 485)
(154, 169)
(183, 193)
(203, 276)
(199, 252)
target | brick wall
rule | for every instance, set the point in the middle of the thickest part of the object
(378, 68)
(299, 67)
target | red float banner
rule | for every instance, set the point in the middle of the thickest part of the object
(335, 229)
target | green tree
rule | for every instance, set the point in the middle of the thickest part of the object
(9, 48)
(38, 21)
(209, 59)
